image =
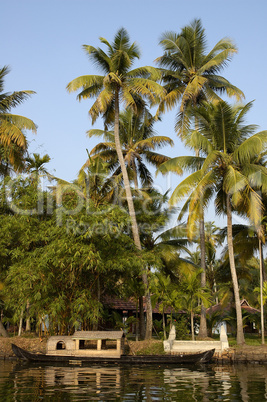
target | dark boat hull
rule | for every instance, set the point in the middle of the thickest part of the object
(204, 357)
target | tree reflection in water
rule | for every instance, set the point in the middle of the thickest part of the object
(25, 382)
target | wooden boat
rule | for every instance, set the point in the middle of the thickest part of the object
(105, 347)
(194, 358)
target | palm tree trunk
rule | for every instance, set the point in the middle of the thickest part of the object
(192, 325)
(3, 331)
(163, 324)
(20, 322)
(141, 319)
(203, 320)
(239, 334)
(28, 320)
(261, 294)
(130, 203)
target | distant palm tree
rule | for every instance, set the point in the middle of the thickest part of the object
(191, 292)
(120, 84)
(138, 140)
(13, 142)
(35, 164)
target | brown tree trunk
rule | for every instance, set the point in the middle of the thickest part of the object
(28, 320)
(141, 318)
(3, 331)
(239, 333)
(163, 324)
(132, 214)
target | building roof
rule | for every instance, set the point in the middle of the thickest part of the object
(83, 335)
(130, 305)
(244, 305)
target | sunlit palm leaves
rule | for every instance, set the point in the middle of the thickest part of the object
(190, 73)
(12, 127)
(138, 141)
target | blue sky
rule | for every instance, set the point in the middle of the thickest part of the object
(43, 47)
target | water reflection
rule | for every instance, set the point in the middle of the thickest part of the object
(25, 382)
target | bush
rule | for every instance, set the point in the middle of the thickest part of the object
(181, 327)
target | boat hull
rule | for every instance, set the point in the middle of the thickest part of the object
(204, 357)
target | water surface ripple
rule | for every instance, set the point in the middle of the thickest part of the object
(31, 382)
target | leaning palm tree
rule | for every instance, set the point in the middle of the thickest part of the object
(230, 171)
(13, 141)
(191, 76)
(120, 84)
(138, 141)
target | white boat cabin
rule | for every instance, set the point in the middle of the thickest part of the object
(87, 343)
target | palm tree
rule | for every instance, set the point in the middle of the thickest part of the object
(190, 74)
(138, 140)
(192, 292)
(230, 171)
(13, 142)
(94, 179)
(120, 84)
(35, 165)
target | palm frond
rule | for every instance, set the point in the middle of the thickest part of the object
(85, 82)
(251, 147)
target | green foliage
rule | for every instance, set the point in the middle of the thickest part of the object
(182, 327)
(63, 270)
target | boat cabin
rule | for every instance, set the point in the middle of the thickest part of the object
(87, 343)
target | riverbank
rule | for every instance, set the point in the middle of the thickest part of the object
(238, 354)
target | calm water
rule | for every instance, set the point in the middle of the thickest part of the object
(29, 382)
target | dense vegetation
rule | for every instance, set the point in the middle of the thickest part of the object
(66, 248)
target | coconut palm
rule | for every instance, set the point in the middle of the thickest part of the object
(35, 165)
(138, 140)
(230, 171)
(13, 141)
(191, 76)
(190, 72)
(191, 292)
(119, 84)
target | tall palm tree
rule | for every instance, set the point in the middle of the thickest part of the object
(120, 84)
(190, 72)
(230, 171)
(191, 76)
(13, 141)
(138, 141)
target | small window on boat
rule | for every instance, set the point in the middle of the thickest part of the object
(109, 344)
(61, 345)
(88, 344)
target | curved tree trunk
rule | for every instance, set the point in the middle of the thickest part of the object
(239, 334)
(130, 203)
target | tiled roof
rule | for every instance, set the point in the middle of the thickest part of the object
(130, 305)
(244, 305)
